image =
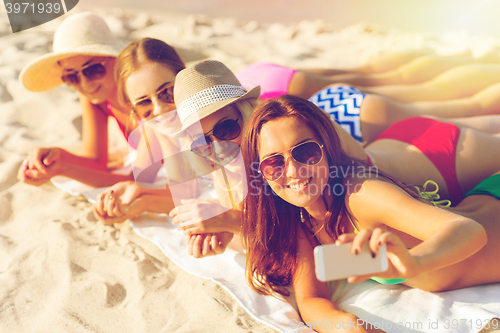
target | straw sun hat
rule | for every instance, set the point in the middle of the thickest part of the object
(205, 88)
(80, 34)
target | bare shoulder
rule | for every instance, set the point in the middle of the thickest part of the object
(370, 197)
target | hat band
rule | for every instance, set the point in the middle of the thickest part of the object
(206, 97)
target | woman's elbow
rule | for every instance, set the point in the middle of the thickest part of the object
(478, 234)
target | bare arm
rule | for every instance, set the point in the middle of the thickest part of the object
(89, 168)
(314, 300)
(447, 238)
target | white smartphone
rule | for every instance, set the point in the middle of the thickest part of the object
(335, 262)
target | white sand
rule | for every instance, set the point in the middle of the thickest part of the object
(61, 270)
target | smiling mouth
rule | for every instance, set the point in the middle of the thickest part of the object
(95, 91)
(225, 159)
(166, 118)
(301, 185)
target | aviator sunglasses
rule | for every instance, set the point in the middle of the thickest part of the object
(225, 130)
(307, 153)
(92, 72)
(144, 107)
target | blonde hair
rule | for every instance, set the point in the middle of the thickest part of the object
(139, 53)
(246, 108)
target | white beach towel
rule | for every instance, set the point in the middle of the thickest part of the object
(397, 308)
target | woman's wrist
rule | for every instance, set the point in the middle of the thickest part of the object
(234, 216)
(137, 207)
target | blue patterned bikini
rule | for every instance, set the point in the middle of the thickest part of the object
(343, 104)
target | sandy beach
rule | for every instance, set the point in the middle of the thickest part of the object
(63, 271)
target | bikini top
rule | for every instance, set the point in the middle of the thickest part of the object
(432, 196)
(122, 128)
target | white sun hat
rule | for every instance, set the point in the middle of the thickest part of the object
(80, 34)
(204, 88)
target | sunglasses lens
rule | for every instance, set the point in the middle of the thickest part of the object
(167, 95)
(94, 72)
(201, 146)
(70, 79)
(227, 130)
(309, 153)
(272, 167)
(143, 108)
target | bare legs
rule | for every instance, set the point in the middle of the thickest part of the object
(481, 267)
(459, 82)
(378, 113)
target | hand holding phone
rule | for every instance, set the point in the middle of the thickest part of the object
(335, 262)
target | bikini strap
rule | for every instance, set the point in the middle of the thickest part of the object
(432, 196)
(303, 220)
(356, 231)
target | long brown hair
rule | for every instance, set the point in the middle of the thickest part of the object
(270, 225)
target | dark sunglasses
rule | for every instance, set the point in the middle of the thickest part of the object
(307, 153)
(91, 72)
(144, 107)
(225, 130)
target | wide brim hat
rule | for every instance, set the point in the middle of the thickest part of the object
(80, 34)
(204, 88)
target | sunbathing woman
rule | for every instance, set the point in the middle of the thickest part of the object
(415, 71)
(459, 82)
(295, 203)
(145, 73)
(365, 116)
(407, 165)
(83, 58)
(198, 210)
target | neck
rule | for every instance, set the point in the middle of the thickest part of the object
(317, 210)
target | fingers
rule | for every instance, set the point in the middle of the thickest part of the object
(21, 173)
(376, 241)
(173, 213)
(36, 161)
(50, 157)
(207, 245)
(117, 210)
(110, 202)
(99, 205)
(186, 220)
(33, 177)
(192, 228)
(360, 240)
(183, 209)
(217, 246)
(345, 238)
(108, 220)
(106, 205)
(191, 244)
(200, 246)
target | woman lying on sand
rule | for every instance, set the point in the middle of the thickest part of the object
(407, 165)
(84, 43)
(366, 115)
(145, 72)
(392, 69)
(120, 208)
(459, 82)
(83, 58)
(295, 203)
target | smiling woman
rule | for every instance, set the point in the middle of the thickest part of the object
(145, 72)
(213, 108)
(83, 57)
(429, 247)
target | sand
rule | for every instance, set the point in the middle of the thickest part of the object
(63, 271)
